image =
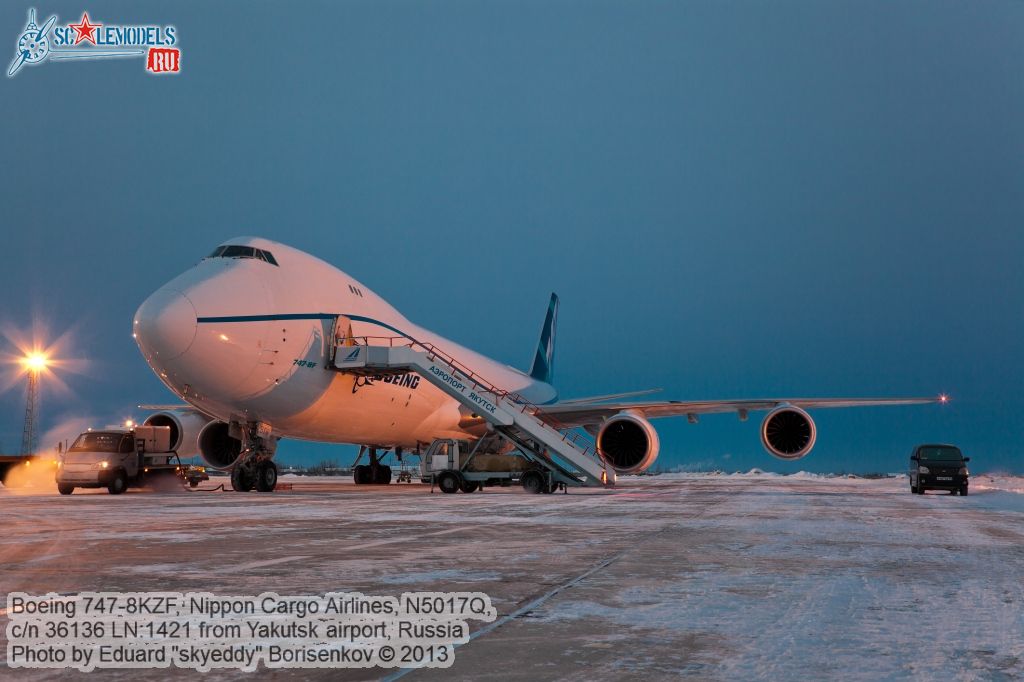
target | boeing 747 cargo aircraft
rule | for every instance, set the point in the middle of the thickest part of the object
(257, 337)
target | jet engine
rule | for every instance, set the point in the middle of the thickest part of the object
(185, 426)
(217, 446)
(628, 442)
(788, 432)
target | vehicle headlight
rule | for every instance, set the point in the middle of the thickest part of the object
(102, 465)
(923, 470)
(963, 471)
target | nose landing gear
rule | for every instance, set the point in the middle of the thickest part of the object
(254, 468)
(254, 473)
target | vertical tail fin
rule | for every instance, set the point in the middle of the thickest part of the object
(543, 367)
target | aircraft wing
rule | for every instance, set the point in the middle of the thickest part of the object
(584, 414)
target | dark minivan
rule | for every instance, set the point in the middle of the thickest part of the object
(938, 467)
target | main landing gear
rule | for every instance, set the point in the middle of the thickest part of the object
(373, 473)
(254, 468)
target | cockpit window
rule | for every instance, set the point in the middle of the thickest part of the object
(234, 251)
(239, 252)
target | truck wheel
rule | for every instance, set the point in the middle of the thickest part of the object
(118, 484)
(469, 486)
(449, 482)
(532, 482)
(266, 476)
(193, 484)
(241, 479)
(65, 489)
(963, 490)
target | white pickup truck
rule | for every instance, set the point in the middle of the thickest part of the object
(118, 458)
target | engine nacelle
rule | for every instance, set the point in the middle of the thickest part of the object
(185, 426)
(628, 442)
(217, 446)
(788, 432)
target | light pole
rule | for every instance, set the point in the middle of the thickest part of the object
(34, 364)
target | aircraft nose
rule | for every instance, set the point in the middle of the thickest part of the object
(165, 325)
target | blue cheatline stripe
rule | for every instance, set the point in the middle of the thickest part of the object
(266, 318)
(297, 316)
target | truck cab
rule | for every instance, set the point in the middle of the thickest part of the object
(938, 467)
(117, 458)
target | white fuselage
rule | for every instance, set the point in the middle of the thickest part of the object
(244, 339)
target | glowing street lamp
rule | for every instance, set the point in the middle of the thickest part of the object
(35, 362)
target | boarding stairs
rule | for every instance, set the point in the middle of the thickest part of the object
(568, 454)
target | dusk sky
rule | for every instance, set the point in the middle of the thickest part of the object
(732, 199)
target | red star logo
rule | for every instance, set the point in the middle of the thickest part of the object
(85, 30)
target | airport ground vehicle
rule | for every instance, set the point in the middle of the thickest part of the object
(456, 465)
(118, 458)
(938, 467)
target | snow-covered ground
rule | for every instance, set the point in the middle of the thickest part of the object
(709, 576)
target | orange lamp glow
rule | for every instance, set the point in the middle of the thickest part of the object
(35, 362)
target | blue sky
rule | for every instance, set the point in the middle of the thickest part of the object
(733, 200)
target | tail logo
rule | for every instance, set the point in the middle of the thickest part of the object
(543, 367)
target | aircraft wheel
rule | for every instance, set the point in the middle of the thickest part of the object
(383, 475)
(65, 489)
(361, 474)
(449, 482)
(118, 484)
(241, 479)
(266, 476)
(532, 482)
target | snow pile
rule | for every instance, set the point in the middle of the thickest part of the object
(998, 482)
